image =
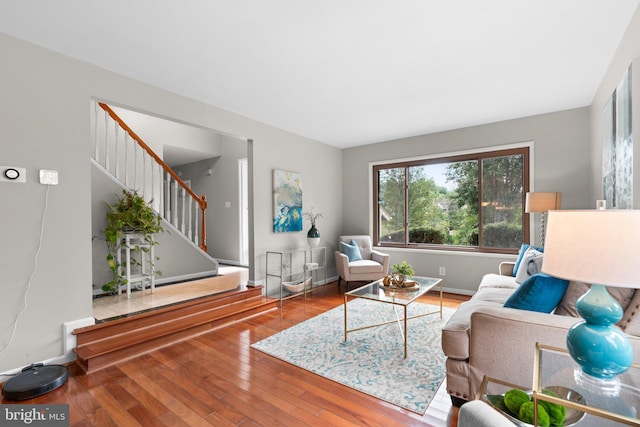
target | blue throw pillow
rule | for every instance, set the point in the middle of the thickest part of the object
(352, 251)
(539, 292)
(523, 249)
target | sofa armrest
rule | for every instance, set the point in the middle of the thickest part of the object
(502, 343)
(381, 258)
(506, 268)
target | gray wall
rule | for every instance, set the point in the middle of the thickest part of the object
(628, 52)
(222, 186)
(320, 167)
(46, 125)
(164, 135)
(561, 162)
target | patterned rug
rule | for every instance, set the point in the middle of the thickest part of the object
(371, 360)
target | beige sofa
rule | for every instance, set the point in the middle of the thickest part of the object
(485, 338)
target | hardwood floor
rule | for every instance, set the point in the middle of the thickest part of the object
(217, 379)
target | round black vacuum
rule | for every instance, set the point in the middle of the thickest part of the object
(35, 380)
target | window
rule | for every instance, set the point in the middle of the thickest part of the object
(470, 202)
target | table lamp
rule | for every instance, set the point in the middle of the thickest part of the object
(542, 202)
(596, 247)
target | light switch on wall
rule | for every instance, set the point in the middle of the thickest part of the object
(227, 204)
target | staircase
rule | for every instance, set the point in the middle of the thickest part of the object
(121, 154)
(105, 344)
(124, 155)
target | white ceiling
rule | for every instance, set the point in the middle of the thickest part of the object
(345, 72)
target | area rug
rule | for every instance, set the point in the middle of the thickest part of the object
(371, 360)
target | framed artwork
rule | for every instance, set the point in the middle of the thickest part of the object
(617, 156)
(287, 201)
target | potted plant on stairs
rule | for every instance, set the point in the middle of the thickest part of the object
(128, 214)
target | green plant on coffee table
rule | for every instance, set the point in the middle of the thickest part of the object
(405, 269)
(128, 214)
(397, 278)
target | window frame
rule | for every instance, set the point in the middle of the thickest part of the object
(525, 151)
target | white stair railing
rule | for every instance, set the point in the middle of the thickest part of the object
(125, 156)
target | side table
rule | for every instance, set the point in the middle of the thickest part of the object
(606, 403)
(589, 402)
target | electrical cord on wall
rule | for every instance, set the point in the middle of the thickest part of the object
(33, 273)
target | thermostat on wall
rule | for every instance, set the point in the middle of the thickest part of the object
(13, 174)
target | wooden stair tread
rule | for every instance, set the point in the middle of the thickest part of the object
(107, 343)
(153, 318)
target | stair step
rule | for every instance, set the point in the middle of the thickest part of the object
(141, 320)
(104, 344)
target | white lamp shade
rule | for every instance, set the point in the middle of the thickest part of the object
(594, 246)
(542, 202)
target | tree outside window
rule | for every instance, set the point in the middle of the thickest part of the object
(472, 201)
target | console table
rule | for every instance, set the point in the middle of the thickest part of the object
(307, 266)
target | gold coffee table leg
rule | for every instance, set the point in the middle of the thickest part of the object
(405, 331)
(345, 317)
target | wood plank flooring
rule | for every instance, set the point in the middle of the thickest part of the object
(217, 379)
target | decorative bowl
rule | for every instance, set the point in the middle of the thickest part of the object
(297, 286)
(573, 415)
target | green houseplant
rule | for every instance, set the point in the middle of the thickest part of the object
(405, 269)
(401, 272)
(128, 214)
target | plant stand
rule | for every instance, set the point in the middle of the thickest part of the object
(138, 244)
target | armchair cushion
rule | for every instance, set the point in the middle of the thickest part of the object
(351, 250)
(365, 266)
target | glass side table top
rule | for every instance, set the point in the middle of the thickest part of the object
(605, 401)
(378, 292)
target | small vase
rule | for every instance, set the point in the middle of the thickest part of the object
(313, 237)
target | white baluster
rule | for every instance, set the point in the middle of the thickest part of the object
(127, 144)
(196, 239)
(174, 203)
(135, 166)
(116, 126)
(167, 198)
(96, 147)
(190, 217)
(184, 200)
(106, 141)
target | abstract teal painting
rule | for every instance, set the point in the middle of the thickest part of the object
(287, 201)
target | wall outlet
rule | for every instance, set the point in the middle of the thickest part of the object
(443, 271)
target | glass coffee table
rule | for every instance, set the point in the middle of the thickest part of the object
(377, 291)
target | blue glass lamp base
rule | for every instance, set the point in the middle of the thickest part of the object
(600, 348)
